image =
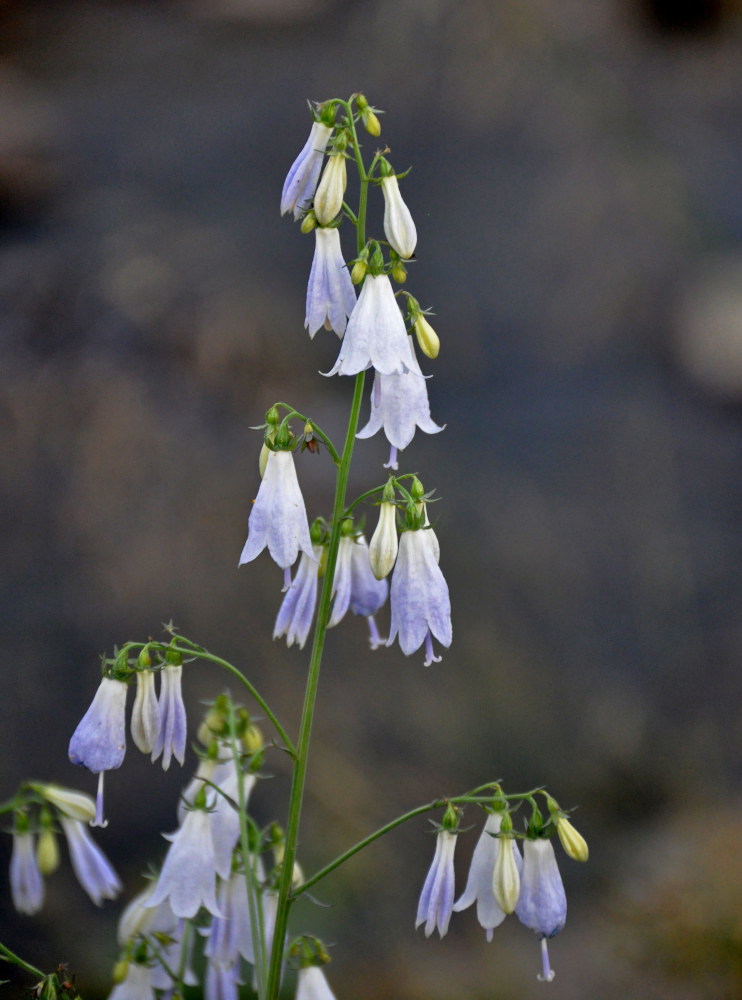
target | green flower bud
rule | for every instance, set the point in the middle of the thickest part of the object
(505, 876)
(371, 123)
(309, 222)
(358, 272)
(574, 844)
(47, 851)
(399, 272)
(119, 971)
(328, 200)
(263, 459)
(427, 338)
(71, 803)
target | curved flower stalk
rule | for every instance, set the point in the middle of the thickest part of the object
(421, 607)
(188, 877)
(399, 228)
(542, 904)
(295, 616)
(26, 883)
(171, 736)
(436, 899)
(481, 873)
(301, 180)
(376, 335)
(278, 518)
(331, 297)
(89, 863)
(399, 404)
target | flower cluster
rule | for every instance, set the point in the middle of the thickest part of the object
(500, 880)
(40, 810)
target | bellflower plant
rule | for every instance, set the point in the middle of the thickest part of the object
(224, 895)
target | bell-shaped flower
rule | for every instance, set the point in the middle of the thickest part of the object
(136, 985)
(312, 985)
(99, 742)
(145, 716)
(421, 607)
(171, 737)
(139, 917)
(399, 404)
(188, 876)
(355, 585)
(295, 616)
(436, 899)
(329, 197)
(26, 883)
(301, 180)
(278, 518)
(384, 545)
(331, 297)
(399, 228)
(222, 982)
(375, 335)
(89, 863)
(542, 905)
(224, 818)
(231, 935)
(481, 872)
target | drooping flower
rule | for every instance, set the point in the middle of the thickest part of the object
(542, 905)
(420, 603)
(436, 899)
(188, 876)
(294, 619)
(145, 716)
(328, 199)
(312, 985)
(481, 872)
(301, 180)
(384, 545)
(399, 404)
(278, 518)
(375, 335)
(355, 585)
(89, 863)
(136, 985)
(99, 742)
(171, 737)
(399, 228)
(331, 297)
(74, 804)
(26, 883)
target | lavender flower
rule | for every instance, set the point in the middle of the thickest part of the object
(188, 877)
(375, 335)
(542, 904)
(89, 863)
(399, 404)
(436, 899)
(171, 737)
(421, 607)
(479, 883)
(399, 228)
(222, 982)
(331, 297)
(145, 717)
(301, 180)
(294, 619)
(99, 742)
(312, 985)
(355, 585)
(26, 883)
(278, 518)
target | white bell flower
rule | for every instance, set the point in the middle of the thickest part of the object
(399, 228)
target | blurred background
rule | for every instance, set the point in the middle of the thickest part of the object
(576, 188)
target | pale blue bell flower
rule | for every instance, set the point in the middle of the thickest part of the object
(436, 899)
(399, 404)
(278, 517)
(222, 982)
(420, 603)
(542, 904)
(355, 587)
(92, 868)
(26, 883)
(331, 297)
(376, 335)
(188, 876)
(172, 734)
(99, 742)
(301, 180)
(312, 985)
(295, 616)
(172, 954)
(479, 882)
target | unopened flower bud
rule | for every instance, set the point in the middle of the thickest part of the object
(383, 547)
(427, 338)
(399, 228)
(71, 803)
(372, 124)
(505, 876)
(358, 272)
(308, 223)
(399, 272)
(252, 740)
(47, 851)
(328, 200)
(574, 844)
(119, 971)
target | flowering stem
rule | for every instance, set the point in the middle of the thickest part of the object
(10, 956)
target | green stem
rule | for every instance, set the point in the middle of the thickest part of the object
(323, 616)
(10, 956)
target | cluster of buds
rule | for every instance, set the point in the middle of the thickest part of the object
(501, 880)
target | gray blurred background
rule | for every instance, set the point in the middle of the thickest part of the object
(576, 187)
